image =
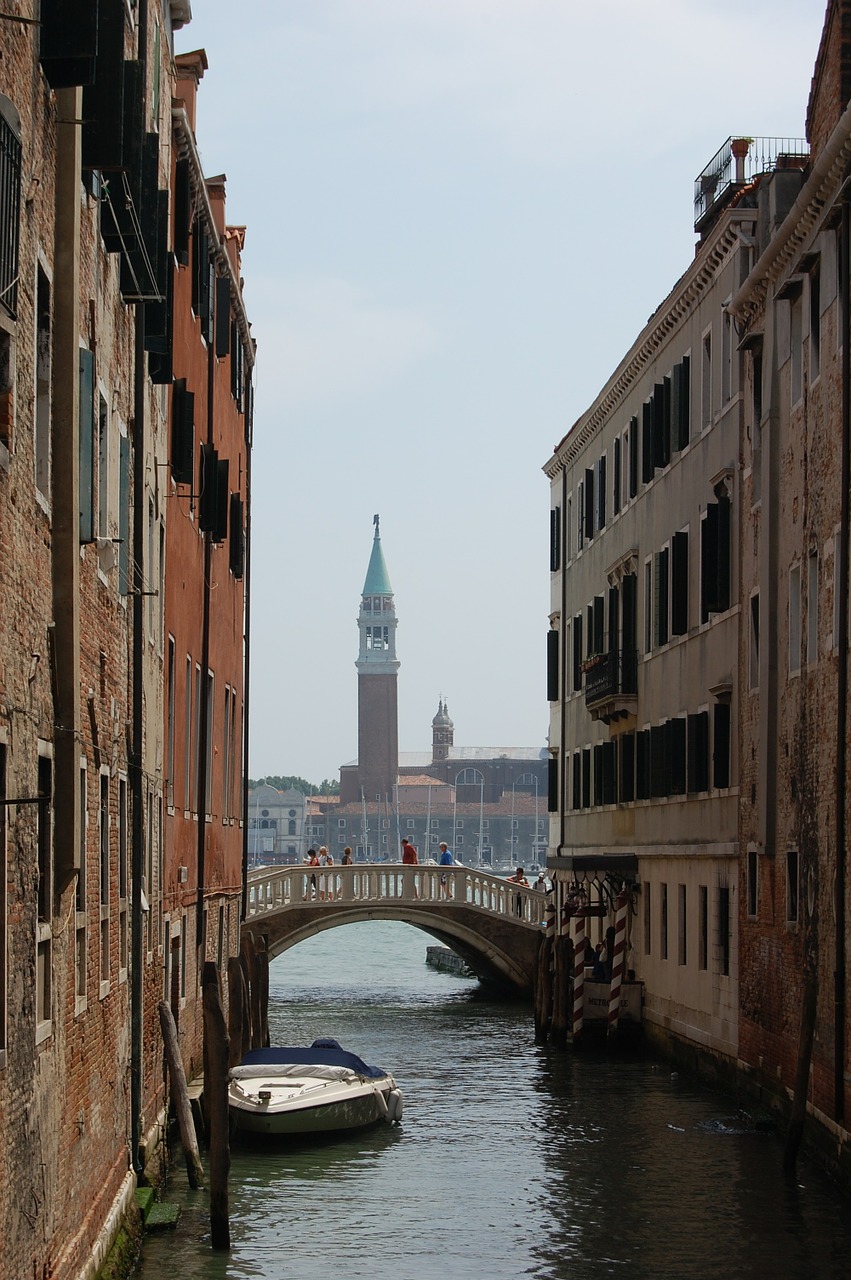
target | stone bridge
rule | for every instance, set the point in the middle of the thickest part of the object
(493, 925)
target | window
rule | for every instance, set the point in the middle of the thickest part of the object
(10, 202)
(721, 745)
(577, 653)
(103, 896)
(682, 935)
(752, 882)
(792, 872)
(663, 920)
(753, 643)
(812, 607)
(555, 539)
(459, 839)
(726, 358)
(169, 740)
(341, 822)
(43, 377)
(633, 456)
(660, 599)
(187, 738)
(226, 746)
(80, 915)
(724, 929)
(815, 323)
(208, 763)
(435, 824)
(44, 849)
(797, 356)
(795, 619)
(103, 468)
(616, 476)
(648, 606)
(196, 742)
(123, 875)
(647, 917)
(601, 492)
(702, 927)
(706, 382)
(410, 824)
(679, 583)
(697, 752)
(715, 557)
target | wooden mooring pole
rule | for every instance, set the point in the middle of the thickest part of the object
(216, 1050)
(180, 1097)
(239, 1020)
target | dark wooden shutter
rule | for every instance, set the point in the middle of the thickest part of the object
(68, 41)
(721, 739)
(598, 612)
(552, 785)
(616, 478)
(208, 488)
(555, 539)
(601, 493)
(586, 778)
(577, 780)
(724, 554)
(659, 443)
(629, 634)
(577, 652)
(182, 433)
(220, 522)
(709, 562)
(610, 791)
(642, 765)
(87, 446)
(182, 211)
(614, 619)
(633, 457)
(680, 425)
(647, 441)
(223, 322)
(598, 773)
(552, 665)
(662, 586)
(698, 751)
(589, 502)
(237, 535)
(679, 584)
(103, 96)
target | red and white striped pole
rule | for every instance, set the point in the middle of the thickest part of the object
(578, 972)
(621, 909)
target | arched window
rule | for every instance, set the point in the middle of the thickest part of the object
(291, 827)
(469, 778)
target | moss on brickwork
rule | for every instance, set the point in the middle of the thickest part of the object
(124, 1252)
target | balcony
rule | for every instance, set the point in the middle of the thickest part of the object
(611, 689)
(737, 163)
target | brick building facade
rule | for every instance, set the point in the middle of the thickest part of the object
(87, 350)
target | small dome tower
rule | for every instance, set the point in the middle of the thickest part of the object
(442, 733)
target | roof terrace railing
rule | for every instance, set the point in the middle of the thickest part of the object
(739, 161)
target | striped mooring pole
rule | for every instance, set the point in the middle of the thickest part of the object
(578, 974)
(621, 909)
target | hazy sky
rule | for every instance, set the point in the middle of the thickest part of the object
(460, 214)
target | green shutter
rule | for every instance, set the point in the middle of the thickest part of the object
(87, 447)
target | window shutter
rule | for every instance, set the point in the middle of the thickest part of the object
(698, 751)
(577, 652)
(680, 427)
(208, 488)
(724, 522)
(103, 97)
(182, 433)
(586, 778)
(647, 441)
(577, 780)
(87, 446)
(721, 755)
(552, 785)
(589, 502)
(68, 41)
(629, 633)
(642, 765)
(220, 522)
(552, 665)
(633, 457)
(237, 535)
(610, 790)
(616, 478)
(659, 427)
(223, 325)
(555, 539)
(679, 584)
(182, 211)
(580, 507)
(709, 562)
(601, 493)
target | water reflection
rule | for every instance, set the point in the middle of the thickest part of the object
(512, 1161)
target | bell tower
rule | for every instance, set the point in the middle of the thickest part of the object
(378, 729)
(442, 734)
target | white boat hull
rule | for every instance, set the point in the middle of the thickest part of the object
(275, 1105)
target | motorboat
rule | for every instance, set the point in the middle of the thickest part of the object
(321, 1088)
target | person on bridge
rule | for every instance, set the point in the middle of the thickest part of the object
(445, 860)
(312, 861)
(409, 854)
(347, 857)
(326, 884)
(519, 877)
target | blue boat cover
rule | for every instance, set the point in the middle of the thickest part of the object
(327, 1052)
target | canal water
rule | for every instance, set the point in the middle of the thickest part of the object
(512, 1160)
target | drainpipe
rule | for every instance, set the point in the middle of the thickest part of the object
(842, 677)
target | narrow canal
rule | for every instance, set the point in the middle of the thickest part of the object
(512, 1161)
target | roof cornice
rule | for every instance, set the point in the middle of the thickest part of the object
(684, 296)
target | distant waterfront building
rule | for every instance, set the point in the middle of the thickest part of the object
(277, 826)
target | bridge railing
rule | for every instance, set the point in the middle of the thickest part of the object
(273, 888)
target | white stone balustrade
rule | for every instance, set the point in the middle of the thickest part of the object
(273, 888)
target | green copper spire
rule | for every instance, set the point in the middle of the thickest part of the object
(377, 578)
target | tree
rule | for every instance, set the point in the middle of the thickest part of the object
(327, 787)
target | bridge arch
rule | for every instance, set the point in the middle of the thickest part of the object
(474, 913)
